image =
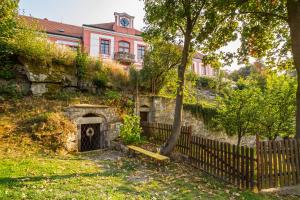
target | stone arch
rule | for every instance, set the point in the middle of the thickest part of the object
(145, 108)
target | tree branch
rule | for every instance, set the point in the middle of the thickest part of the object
(264, 13)
(181, 28)
(194, 20)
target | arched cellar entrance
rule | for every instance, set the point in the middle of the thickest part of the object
(97, 125)
(92, 134)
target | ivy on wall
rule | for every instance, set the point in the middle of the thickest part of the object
(204, 112)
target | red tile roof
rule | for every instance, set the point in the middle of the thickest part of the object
(105, 26)
(109, 27)
(55, 27)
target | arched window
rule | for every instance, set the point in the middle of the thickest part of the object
(124, 46)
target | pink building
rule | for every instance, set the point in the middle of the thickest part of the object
(117, 40)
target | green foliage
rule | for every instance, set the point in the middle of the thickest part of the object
(112, 96)
(81, 62)
(205, 82)
(159, 63)
(189, 91)
(206, 112)
(131, 130)
(100, 79)
(266, 109)
(243, 72)
(239, 111)
(10, 91)
(6, 72)
(8, 23)
(135, 78)
(277, 107)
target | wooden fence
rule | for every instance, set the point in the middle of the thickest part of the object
(223, 160)
(159, 133)
(275, 164)
(278, 163)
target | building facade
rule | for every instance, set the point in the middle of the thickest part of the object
(117, 40)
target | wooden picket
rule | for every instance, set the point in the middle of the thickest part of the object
(275, 164)
(278, 163)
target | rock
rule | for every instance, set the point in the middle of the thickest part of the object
(38, 89)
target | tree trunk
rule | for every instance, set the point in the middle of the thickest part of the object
(172, 141)
(293, 7)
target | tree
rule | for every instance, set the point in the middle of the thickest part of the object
(277, 107)
(271, 29)
(192, 24)
(159, 60)
(8, 23)
(238, 112)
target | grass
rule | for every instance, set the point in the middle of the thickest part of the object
(106, 175)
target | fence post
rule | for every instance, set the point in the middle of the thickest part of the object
(258, 175)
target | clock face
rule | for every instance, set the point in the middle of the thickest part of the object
(124, 22)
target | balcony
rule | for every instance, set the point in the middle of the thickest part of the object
(124, 58)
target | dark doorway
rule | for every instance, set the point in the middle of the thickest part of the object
(144, 116)
(91, 137)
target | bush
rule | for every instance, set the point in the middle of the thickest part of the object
(81, 62)
(10, 91)
(7, 73)
(206, 83)
(100, 79)
(113, 95)
(131, 130)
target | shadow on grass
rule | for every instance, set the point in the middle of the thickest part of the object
(21, 181)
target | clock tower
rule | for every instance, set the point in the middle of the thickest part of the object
(124, 20)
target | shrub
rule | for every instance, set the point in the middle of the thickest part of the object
(113, 95)
(10, 91)
(131, 130)
(7, 73)
(81, 62)
(206, 83)
(100, 79)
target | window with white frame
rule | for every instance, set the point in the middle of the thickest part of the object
(140, 52)
(104, 46)
(124, 47)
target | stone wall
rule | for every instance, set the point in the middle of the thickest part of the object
(49, 78)
(38, 79)
(161, 110)
(92, 114)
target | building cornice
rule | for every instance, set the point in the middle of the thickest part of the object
(111, 32)
(64, 36)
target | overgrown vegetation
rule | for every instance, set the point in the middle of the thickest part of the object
(131, 130)
(206, 112)
(50, 129)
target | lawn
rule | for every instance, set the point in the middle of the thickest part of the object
(30, 170)
(107, 175)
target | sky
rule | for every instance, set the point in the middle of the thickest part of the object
(78, 12)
